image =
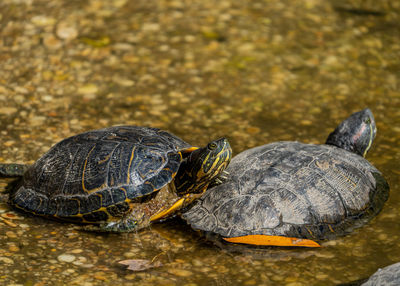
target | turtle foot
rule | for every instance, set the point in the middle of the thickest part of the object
(219, 180)
(126, 225)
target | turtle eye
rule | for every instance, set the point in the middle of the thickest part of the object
(368, 120)
(212, 146)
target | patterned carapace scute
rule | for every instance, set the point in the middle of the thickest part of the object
(99, 169)
(292, 189)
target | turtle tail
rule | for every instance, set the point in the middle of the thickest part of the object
(12, 170)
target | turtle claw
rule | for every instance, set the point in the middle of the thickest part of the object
(224, 176)
(219, 180)
(125, 225)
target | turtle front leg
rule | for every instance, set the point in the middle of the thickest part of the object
(130, 222)
(114, 226)
(178, 205)
(125, 225)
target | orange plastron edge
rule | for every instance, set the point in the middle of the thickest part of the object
(272, 240)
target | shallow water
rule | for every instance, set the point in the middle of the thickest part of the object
(254, 71)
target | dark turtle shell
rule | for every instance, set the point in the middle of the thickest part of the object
(94, 176)
(291, 189)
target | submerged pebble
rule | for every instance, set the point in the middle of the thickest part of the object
(66, 258)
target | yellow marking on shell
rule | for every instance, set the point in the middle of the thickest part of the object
(84, 169)
(104, 160)
(102, 209)
(188, 150)
(128, 177)
(272, 240)
(95, 189)
(349, 180)
(165, 212)
(152, 186)
(124, 190)
(309, 231)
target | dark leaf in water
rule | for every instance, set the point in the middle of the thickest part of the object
(140, 264)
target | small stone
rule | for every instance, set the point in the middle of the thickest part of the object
(14, 248)
(47, 98)
(42, 21)
(122, 46)
(66, 31)
(38, 120)
(6, 260)
(197, 263)
(88, 89)
(129, 254)
(331, 60)
(76, 251)
(325, 254)
(190, 38)
(8, 110)
(11, 234)
(253, 130)
(247, 47)
(180, 272)
(21, 89)
(123, 81)
(382, 236)
(130, 276)
(100, 276)
(66, 258)
(306, 122)
(321, 276)
(151, 27)
(52, 42)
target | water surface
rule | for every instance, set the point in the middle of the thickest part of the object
(254, 71)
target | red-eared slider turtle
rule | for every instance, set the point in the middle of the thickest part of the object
(285, 193)
(120, 178)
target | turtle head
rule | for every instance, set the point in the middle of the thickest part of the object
(202, 166)
(356, 133)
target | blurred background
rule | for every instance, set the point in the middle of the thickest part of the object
(253, 71)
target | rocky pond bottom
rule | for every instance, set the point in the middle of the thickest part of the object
(35, 251)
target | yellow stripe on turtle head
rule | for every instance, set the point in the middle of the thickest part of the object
(371, 139)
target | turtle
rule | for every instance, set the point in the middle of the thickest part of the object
(290, 193)
(116, 179)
